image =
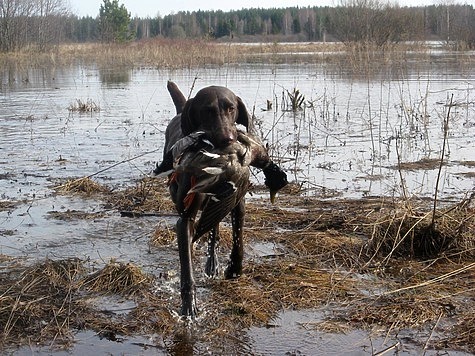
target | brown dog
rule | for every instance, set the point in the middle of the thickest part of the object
(206, 126)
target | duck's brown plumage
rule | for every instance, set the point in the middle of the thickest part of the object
(222, 175)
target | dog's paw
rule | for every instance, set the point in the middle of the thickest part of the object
(188, 305)
(233, 271)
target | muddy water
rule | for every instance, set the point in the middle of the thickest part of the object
(344, 141)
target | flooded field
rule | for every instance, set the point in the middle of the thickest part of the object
(342, 135)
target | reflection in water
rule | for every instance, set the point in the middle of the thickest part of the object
(111, 76)
(183, 342)
(17, 77)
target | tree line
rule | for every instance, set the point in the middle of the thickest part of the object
(43, 23)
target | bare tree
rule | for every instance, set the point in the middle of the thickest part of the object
(371, 22)
(50, 15)
(458, 27)
(12, 18)
(27, 22)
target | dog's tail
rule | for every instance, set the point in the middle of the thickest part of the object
(177, 96)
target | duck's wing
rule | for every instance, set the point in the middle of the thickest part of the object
(188, 143)
(219, 204)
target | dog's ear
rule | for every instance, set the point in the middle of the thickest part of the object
(243, 115)
(188, 121)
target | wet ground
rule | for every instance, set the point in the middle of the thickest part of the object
(346, 141)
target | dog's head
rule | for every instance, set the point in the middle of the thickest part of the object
(215, 110)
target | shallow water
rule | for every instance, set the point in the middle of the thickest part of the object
(344, 142)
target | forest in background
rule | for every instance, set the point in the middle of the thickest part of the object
(46, 23)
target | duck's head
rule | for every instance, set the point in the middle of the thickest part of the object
(275, 180)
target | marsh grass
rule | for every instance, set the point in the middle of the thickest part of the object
(87, 106)
(408, 310)
(118, 278)
(422, 164)
(323, 263)
(294, 100)
(149, 195)
(83, 185)
(36, 302)
(167, 53)
(163, 236)
(7, 205)
(158, 53)
(74, 215)
(406, 232)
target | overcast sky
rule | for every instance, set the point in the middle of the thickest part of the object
(152, 8)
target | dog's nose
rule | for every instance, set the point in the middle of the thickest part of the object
(226, 140)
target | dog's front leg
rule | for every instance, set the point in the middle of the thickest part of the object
(184, 233)
(184, 229)
(234, 268)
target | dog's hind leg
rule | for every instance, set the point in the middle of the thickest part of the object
(234, 269)
(211, 268)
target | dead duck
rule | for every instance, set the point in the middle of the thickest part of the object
(222, 175)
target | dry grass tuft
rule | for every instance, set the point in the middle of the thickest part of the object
(73, 215)
(48, 301)
(267, 288)
(330, 248)
(300, 284)
(36, 303)
(59, 273)
(118, 278)
(404, 232)
(408, 310)
(84, 185)
(241, 302)
(163, 236)
(149, 195)
(423, 164)
(7, 205)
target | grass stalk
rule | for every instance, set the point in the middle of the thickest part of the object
(442, 156)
